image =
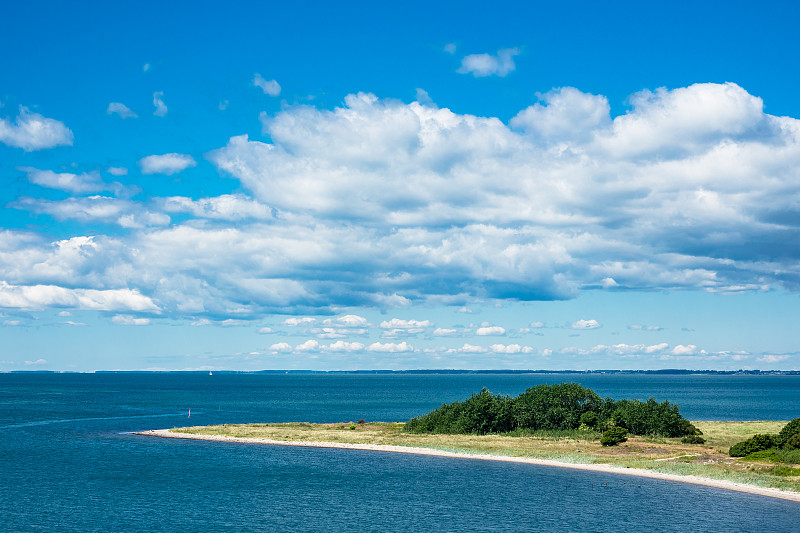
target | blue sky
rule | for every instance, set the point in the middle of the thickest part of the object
(200, 185)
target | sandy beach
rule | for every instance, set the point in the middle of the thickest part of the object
(695, 480)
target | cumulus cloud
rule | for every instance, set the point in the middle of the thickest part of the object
(123, 111)
(343, 346)
(482, 65)
(399, 323)
(32, 131)
(680, 349)
(65, 181)
(468, 348)
(491, 330)
(390, 347)
(161, 107)
(166, 164)
(445, 332)
(381, 203)
(95, 208)
(224, 207)
(346, 321)
(129, 320)
(295, 321)
(309, 346)
(270, 87)
(511, 349)
(564, 115)
(585, 324)
(281, 347)
(42, 296)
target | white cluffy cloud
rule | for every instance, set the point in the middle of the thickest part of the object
(270, 87)
(166, 164)
(386, 204)
(65, 181)
(129, 320)
(390, 347)
(399, 323)
(491, 330)
(224, 207)
(586, 324)
(346, 321)
(482, 65)
(32, 131)
(42, 296)
(117, 108)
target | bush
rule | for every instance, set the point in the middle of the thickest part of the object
(754, 444)
(772, 455)
(693, 439)
(554, 406)
(614, 436)
(589, 419)
(651, 418)
(793, 443)
(789, 430)
(790, 456)
(563, 407)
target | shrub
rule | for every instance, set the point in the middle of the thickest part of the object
(754, 444)
(554, 406)
(614, 436)
(772, 455)
(651, 418)
(789, 430)
(693, 439)
(793, 443)
(791, 456)
(589, 419)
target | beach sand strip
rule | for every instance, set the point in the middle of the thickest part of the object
(602, 468)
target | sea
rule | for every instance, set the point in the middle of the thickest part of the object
(69, 461)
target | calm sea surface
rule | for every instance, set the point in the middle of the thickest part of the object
(68, 462)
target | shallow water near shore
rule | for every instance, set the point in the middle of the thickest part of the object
(68, 463)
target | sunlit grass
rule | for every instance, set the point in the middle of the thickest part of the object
(665, 455)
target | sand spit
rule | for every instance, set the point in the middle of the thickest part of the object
(608, 469)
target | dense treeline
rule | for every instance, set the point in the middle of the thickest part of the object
(552, 407)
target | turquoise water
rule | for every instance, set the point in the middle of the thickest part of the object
(68, 462)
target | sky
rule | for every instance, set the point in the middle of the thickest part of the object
(407, 185)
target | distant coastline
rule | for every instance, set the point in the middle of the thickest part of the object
(422, 371)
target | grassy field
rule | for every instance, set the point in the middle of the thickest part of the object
(708, 460)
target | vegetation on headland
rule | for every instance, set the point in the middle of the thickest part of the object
(781, 448)
(553, 407)
(659, 454)
(568, 423)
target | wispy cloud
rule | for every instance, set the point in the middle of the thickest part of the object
(483, 65)
(270, 87)
(123, 111)
(158, 101)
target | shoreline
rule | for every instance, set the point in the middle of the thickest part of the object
(601, 468)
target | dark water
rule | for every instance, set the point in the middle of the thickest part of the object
(67, 462)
